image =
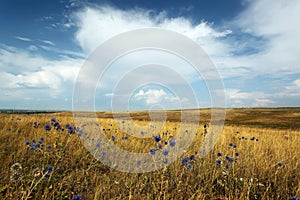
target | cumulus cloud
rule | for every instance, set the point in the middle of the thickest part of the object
(238, 98)
(95, 25)
(262, 40)
(154, 96)
(270, 38)
(277, 23)
(22, 70)
(150, 96)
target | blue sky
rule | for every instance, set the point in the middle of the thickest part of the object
(253, 44)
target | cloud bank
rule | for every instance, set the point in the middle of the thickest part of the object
(260, 43)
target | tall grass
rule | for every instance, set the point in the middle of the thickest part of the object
(266, 164)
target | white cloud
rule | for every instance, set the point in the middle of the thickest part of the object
(48, 42)
(33, 48)
(16, 60)
(271, 26)
(24, 39)
(289, 96)
(95, 25)
(272, 30)
(109, 94)
(277, 23)
(263, 102)
(292, 89)
(22, 71)
(295, 86)
(154, 96)
(236, 94)
(150, 96)
(238, 98)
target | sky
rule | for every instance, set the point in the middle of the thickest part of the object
(254, 45)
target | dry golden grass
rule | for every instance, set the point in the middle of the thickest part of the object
(256, 174)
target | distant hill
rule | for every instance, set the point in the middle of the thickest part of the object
(283, 117)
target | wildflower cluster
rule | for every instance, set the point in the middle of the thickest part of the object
(36, 125)
(251, 139)
(77, 197)
(227, 161)
(294, 198)
(33, 145)
(187, 161)
(163, 145)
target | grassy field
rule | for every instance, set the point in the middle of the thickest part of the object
(256, 157)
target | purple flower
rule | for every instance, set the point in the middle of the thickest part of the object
(172, 143)
(165, 152)
(77, 197)
(53, 120)
(35, 124)
(152, 151)
(219, 154)
(103, 154)
(71, 130)
(192, 157)
(50, 169)
(80, 133)
(218, 162)
(157, 138)
(27, 143)
(47, 127)
(56, 124)
(166, 161)
(189, 166)
(229, 159)
(294, 198)
(139, 162)
(46, 175)
(185, 161)
(280, 164)
(41, 139)
(98, 145)
(113, 138)
(32, 148)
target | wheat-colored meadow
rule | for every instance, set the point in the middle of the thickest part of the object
(266, 161)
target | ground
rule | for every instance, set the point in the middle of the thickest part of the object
(255, 157)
